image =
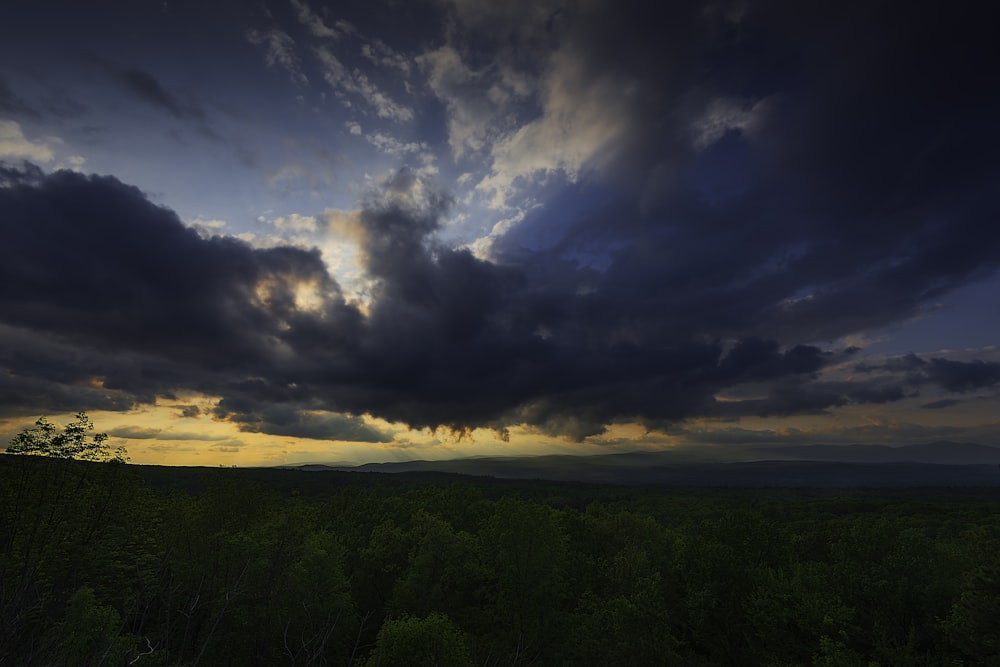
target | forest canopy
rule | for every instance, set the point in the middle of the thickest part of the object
(115, 564)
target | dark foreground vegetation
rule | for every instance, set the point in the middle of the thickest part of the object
(111, 564)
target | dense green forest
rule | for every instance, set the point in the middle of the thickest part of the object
(113, 564)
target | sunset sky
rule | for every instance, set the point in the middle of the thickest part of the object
(256, 233)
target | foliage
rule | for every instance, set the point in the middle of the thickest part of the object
(434, 641)
(972, 624)
(89, 634)
(43, 439)
(103, 565)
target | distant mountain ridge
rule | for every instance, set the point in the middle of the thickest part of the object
(940, 463)
(943, 452)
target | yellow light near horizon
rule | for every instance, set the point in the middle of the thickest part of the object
(183, 430)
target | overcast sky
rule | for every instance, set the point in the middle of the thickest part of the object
(285, 231)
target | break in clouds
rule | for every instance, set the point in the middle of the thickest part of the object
(762, 184)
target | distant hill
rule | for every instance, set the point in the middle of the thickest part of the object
(943, 452)
(821, 466)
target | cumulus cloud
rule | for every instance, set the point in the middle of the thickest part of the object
(347, 81)
(580, 120)
(477, 103)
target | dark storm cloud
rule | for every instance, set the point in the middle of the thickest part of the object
(97, 282)
(861, 189)
(41, 373)
(801, 395)
(961, 376)
(290, 420)
(950, 375)
(111, 300)
(24, 396)
(93, 260)
(780, 177)
(91, 269)
(189, 411)
(756, 359)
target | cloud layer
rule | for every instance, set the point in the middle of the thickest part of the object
(697, 211)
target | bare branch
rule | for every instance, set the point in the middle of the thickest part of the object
(149, 652)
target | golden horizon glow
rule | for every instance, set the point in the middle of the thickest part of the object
(183, 431)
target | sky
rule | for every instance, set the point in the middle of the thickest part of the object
(287, 231)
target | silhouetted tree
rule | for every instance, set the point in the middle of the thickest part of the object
(43, 439)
